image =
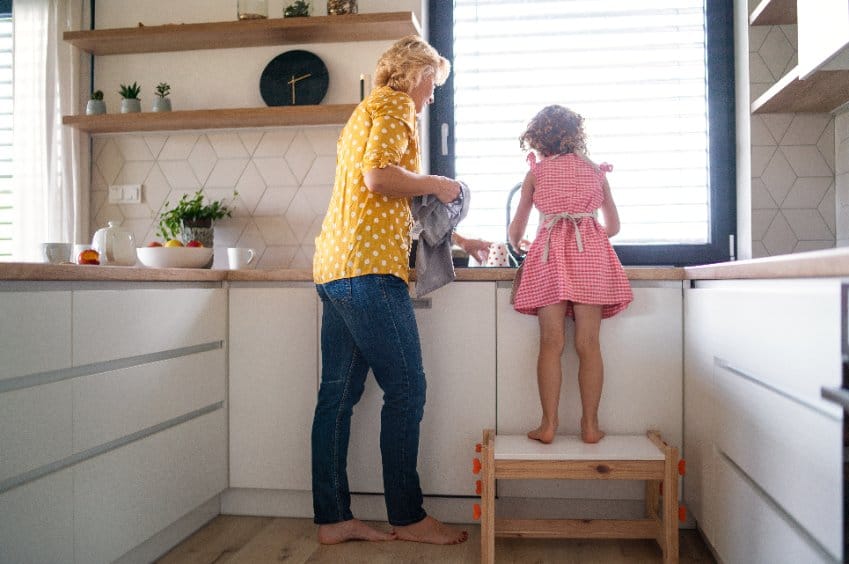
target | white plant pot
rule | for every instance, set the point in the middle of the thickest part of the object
(130, 106)
(95, 107)
(161, 104)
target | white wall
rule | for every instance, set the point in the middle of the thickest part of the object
(284, 175)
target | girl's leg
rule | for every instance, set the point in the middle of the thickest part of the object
(591, 368)
(552, 338)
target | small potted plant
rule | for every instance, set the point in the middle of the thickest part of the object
(96, 105)
(130, 102)
(192, 218)
(161, 103)
(297, 9)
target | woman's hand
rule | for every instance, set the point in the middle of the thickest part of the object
(448, 190)
(476, 248)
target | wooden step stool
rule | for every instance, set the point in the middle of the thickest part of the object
(616, 457)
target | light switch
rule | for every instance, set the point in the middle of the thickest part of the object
(125, 194)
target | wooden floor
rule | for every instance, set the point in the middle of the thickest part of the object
(258, 540)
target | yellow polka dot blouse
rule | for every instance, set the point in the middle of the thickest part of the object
(365, 232)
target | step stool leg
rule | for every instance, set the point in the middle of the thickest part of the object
(670, 506)
(652, 498)
(488, 497)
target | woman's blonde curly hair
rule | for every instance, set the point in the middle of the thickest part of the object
(410, 59)
(553, 131)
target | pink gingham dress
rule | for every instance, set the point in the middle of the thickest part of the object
(568, 190)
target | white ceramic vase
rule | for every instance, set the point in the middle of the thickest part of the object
(130, 105)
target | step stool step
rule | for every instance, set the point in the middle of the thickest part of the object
(571, 447)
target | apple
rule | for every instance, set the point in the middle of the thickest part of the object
(154, 244)
(173, 243)
(88, 256)
(194, 243)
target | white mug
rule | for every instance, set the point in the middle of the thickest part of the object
(238, 257)
(56, 253)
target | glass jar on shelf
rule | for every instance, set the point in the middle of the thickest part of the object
(341, 7)
(252, 9)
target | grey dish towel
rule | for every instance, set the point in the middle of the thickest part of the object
(434, 265)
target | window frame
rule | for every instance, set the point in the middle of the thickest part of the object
(722, 157)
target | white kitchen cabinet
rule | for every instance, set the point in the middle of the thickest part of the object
(457, 329)
(112, 424)
(758, 353)
(124, 322)
(273, 384)
(642, 351)
(125, 496)
(35, 332)
(37, 521)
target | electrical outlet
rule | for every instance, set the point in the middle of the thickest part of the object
(125, 194)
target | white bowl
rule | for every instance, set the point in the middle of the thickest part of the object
(175, 257)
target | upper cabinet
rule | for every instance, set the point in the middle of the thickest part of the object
(228, 35)
(820, 81)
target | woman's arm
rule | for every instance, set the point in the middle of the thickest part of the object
(609, 211)
(398, 182)
(517, 227)
(477, 248)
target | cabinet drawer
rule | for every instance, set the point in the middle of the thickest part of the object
(798, 352)
(113, 404)
(35, 332)
(752, 529)
(123, 497)
(37, 521)
(790, 450)
(113, 324)
(35, 427)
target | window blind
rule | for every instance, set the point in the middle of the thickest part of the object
(7, 212)
(636, 71)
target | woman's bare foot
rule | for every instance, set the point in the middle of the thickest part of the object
(544, 433)
(334, 533)
(590, 433)
(431, 531)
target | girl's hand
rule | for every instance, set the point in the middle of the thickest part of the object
(477, 248)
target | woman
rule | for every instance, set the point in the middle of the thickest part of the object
(361, 272)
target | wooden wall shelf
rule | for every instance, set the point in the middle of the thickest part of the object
(774, 12)
(325, 114)
(822, 92)
(247, 33)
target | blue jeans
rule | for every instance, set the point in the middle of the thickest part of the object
(368, 322)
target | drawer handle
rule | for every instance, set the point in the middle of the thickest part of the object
(840, 396)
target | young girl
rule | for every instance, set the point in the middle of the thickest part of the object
(570, 269)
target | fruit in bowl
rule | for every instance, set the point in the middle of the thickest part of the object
(175, 257)
(194, 243)
(88, 256)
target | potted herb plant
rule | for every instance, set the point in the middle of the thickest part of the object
(193, 218)
(96, 105)
(130, 102)
(298, 9)
(161, 103)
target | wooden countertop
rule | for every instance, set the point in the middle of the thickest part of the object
(828, 263)
(72, 272)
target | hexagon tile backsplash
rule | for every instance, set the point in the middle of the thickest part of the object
(794, 198)
(283, 176)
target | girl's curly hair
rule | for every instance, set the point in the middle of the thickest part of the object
(553, 131)
(407, 61)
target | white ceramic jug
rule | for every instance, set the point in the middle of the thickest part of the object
(116, 246)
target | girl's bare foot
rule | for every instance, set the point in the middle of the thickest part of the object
(590, 433)
(431, 531)
(544, 433)
(334, 533)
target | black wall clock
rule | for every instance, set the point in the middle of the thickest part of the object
(294, 78)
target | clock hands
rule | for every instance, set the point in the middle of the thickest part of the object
(294, 80)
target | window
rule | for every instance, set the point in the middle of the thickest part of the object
(654, 82)
(6, 185)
